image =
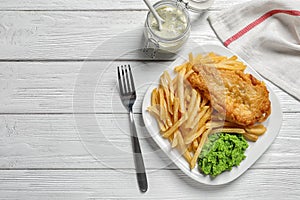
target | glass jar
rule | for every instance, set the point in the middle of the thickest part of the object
(176, 28)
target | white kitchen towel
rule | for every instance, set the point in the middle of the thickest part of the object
(266, 33)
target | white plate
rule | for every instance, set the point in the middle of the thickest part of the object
(253, 152)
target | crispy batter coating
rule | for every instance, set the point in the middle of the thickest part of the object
(240, 97)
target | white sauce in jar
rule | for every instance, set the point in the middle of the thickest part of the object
(175, 22)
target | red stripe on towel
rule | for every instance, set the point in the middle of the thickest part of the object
(258, 21)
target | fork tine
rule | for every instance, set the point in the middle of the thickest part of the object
(131, 79)
(119, 81)
(123, 78)
(127, 79)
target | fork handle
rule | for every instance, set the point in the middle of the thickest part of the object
(138, 158)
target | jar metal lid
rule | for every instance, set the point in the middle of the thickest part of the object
(197, 5)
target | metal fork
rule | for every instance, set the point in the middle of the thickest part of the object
(128, 97)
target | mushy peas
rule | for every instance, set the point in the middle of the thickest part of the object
(221, 152)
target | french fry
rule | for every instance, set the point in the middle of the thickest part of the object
(256, 130)
(198, 151)
(193, 101)
(199, 139)
(161, 100)
(176, 110)
(171, 87)
(187, 156)
(204, 102)
(170, 138)
(170, 105)
(187, 92)
(175, 140)
(190, 148)
(195, 122)
(228, 130)
(188, 99)
(193, 117)
(188, 74)
(205, 114)
(195, 144)
(183, 148)
(218, 58)
(168, 116)
(229, 67)
(154, 97)
(217, 117)
(165, 86)
(164, 114)
(206, 60)
(220, 62)
(233, 61)
(184, 131)
(218, 124)
(250, 137)
(197, 59)
(175, 126)
(233, 57)
(192, 130)
(212, 54)
(191, 137)
(180, 67)
(154, 111)
(180, 90)
(189, 67)
(174, 83)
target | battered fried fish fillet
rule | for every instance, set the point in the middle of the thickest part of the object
(240, 97)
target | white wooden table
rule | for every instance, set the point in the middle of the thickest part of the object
(50, 143)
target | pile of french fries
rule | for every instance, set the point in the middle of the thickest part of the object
(186, 118)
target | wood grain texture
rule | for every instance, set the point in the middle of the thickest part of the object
(52, 146)
(164, 184)
(78, 141)
(67, 87)
(60, 35)
(89, 4)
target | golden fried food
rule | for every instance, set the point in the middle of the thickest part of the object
(186, 116)
(240, 97)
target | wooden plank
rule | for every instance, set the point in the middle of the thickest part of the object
(163, 184)
(88, 4)
(67, 87)
(75, 35)
(86, 141)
